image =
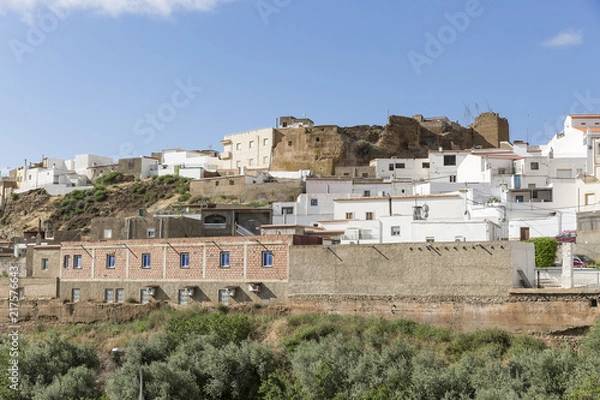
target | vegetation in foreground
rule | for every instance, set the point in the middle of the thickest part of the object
(200, 354)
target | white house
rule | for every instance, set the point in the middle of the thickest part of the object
(247, 150)
(52, 175)
(432, 218)
(188, 163)
(82, 162)
(401, 168)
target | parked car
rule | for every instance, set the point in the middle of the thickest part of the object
(566, 237)
(578, 262)
(589, 261)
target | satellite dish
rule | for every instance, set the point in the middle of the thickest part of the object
(425, 208)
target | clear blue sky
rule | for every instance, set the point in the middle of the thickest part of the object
(88, 78)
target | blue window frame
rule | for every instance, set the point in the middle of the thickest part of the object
(146, 260)
(67, 262)
(77, 261)
(225, 259)
(267, 259)
(184, 260)
(110, 261)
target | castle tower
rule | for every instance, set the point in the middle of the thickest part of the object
(492, 127)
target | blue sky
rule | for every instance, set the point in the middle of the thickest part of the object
(119, 78)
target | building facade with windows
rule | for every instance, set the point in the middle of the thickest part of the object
(226, 270)
(247, 150)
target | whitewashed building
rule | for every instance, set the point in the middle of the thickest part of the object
(247, 150)
(188, 163)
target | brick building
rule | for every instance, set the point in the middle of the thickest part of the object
(226, 270)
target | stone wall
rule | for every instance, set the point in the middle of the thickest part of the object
(522, 311)
(492, 127)
(282, 190)
(463, 269)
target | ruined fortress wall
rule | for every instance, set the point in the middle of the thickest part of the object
(317, 148)
(492, 127)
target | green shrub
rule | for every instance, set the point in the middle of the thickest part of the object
(545, 251)
(111, 178)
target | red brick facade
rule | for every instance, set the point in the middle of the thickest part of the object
(245, 255)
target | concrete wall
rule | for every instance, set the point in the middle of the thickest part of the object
(41, 253)
(7, 261)
(271, 291)
(238, 187)
(137, 227)
(452, 270)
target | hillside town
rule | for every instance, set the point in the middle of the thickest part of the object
(417, 195)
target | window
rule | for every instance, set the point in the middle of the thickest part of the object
(231, 182)
(44, 264)
(144, 296)
(453, 178)
(317, 139)
(77, 261)
(349, 215)
(146, 260)
(120, 295)
(224, 296)
(75, 295)
(534, 165)
(400, 165)
(251, 144)
(314, 202)
(184, 260)
(369, 215)
(182, 297)
(130, 165)
(238, 146)
(395, 231)
(425, 165)
(265, 159)
(367, 193)
(110, 261)
(67, 262)
(391, 167)
(290, 143)
(250, 162)
(430, 239)
(224, 259)
(531, 186)
(216, 183)
(238, 164)
(589, 199)
(450, 160)
(365, 174)
(287, 210)
(267, 259)
(265, 141)
(150, 233)
(107, 233)
(109, 295)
